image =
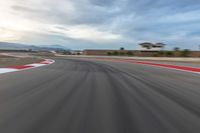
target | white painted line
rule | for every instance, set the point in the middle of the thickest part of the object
(36, 65)
(6, 70)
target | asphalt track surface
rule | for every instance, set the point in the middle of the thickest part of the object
(82, 96)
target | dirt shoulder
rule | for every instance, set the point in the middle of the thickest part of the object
(6, 61)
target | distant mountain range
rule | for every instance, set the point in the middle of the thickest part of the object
(18, 46)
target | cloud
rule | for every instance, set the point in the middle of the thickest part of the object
(101, 23)
(84, 32)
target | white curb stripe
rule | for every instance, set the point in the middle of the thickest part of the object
(6, 70)
(34, 65)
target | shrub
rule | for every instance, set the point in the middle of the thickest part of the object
(122, 48)
(156, 55)
(115, 53)
(169, 53)
(185, 52)
(176, 49)
(161, 53)
(109, 53)
(129, 53)
(122, 53)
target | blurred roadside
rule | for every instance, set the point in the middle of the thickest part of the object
(15, 60)
(182, 61)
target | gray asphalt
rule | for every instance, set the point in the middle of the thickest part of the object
(79, 96)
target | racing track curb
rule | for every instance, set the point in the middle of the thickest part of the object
(28, 66)
(169, 66)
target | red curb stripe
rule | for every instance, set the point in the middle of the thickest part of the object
(20, 67)
(44, 62)
(176, 67)
(183, 68)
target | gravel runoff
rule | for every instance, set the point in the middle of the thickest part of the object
(6, 61)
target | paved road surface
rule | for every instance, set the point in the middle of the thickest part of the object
(77, 96)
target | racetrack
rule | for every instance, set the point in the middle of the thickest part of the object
(88, 96)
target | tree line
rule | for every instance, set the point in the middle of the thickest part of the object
(174, 53)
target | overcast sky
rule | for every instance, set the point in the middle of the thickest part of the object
(82, 24)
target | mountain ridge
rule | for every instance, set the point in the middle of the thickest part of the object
(19, 46)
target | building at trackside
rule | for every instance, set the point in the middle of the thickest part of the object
(151, 46)
(145, 49)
